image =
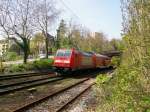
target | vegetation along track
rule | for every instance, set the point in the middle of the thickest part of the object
(7, 88)
(76, 86)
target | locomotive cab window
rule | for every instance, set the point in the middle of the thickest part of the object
(65, 53)
(60, 53)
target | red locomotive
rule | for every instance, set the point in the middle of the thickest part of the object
(72, 59)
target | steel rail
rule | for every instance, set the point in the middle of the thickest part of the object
(74, 98)
(37, 83)
(41, 99)
(24, 82)
(6, 77)
(25, 107)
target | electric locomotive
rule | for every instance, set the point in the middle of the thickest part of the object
(72, 59)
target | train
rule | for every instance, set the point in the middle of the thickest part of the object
(73, 59)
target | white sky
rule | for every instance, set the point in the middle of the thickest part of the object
(97, 15)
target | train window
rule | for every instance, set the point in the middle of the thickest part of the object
(66, 53)
(60, 53)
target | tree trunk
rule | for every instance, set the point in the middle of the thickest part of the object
(25, 56)
(46, 42)
(58, 39)
(26, 50)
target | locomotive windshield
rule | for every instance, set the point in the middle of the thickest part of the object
(65, 53)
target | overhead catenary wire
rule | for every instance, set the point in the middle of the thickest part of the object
(72, 12)
(68, 8)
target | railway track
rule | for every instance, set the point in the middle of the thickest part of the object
(82, 84)
(14, 82)
(8, 84)
(11, 83)
(5, 89)
(23, 75)
(51, 87)
(63, 107)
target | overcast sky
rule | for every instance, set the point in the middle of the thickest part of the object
(97, 15)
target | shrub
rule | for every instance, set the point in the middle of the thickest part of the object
(36, 65)
(15, 68)
(123, 92)
(10, 56)
(115, 61)
(43, 63)
(102, 78)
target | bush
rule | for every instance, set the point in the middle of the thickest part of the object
(102, 78)
(115, 61)
(43, 63)
(15, 68)
(11, 56)
(36, 65)
(123, 92)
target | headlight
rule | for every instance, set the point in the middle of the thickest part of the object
(58, 61)
(66, 61)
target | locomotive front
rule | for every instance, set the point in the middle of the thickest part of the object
(62, 60)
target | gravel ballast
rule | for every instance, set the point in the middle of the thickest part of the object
(56, 102)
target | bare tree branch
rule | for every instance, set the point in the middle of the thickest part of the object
(16, 19)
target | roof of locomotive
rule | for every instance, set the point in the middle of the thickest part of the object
(100, 55)
(73, 49)
(84, 53)
(63, 49)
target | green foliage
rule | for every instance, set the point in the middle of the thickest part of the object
(62, 40)
(1, 65)
(36, 65)
(119, 92)
(129, 89)
(11, 56)
(124, 92)
(115, 61)
(37, 43)
(43, 63)
(14, 48)
(117, 44)
(14, 68)
(73, 36)
(102, 78)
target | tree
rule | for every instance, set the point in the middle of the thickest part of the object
(75, 36)
(15, 48)
(129, 88)
(37, 44)
(45, 15)
(100, 42)
(16, 20)
(117, 44)
(62, 35)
